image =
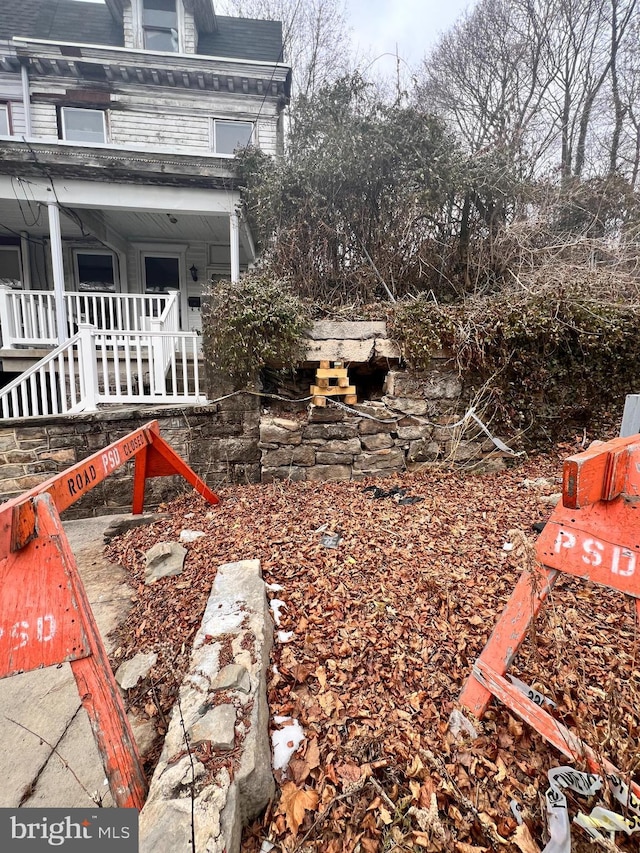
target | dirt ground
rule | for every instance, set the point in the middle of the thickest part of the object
(378, 635)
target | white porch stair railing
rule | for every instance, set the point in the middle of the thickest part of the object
(95, 367)
(28, 317)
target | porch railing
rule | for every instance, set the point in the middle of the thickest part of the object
(28, 317)
(93, 368)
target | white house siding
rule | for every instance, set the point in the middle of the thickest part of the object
(44, 121)
(11, 90)
(190, 35)
(128, 27)
(169, 130)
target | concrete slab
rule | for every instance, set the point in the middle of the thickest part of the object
(47, 703)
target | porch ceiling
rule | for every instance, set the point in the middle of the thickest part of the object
(115, 228)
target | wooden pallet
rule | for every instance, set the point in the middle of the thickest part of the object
(332, 382)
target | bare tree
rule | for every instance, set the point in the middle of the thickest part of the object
(316, 37)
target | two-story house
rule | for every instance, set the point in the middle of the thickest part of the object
(119, 123)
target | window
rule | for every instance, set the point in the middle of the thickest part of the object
(161, 273)
(83, 125)
(230, 136)
(10, 269)
(5, 125)
(96, 271)
(160, 25)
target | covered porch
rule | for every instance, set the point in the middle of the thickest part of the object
(111, 255)
(101, 287)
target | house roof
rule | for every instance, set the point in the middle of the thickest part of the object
(92, 23)
(243, 38)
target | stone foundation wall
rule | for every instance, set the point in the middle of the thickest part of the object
(220, 442)
(416, 422)
(229, 442)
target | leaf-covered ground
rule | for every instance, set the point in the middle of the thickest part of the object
(385, 628)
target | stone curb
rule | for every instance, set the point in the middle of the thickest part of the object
(223, 709)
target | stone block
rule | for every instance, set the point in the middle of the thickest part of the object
(232, 677)
(380, 441)
(414, 432)
(293, 474)
(31, 433)
(218, 727)
(329, 431)
(329, 473)
(463, 451)
(361, 330)
(7, 440)
(333, 458)
(336, 445)
(135, 669)
(164, 559)
(21, 484)
(70, 440)
(386, 348)
(64, 455)
(273, 433)
(376, 410)
(10, 471)
(410, 383)
(359, 352)
(291, 455)
(20, 456)
(407, 405)
(423, 450)
(379, 459)
(96, 441)
(236, 450)
(326, 415)
(369, 427)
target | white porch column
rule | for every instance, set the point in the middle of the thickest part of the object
(58, 271)
(234, 238)
(26, 260)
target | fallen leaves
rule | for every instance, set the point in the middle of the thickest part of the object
(294, 802)
(385, 630)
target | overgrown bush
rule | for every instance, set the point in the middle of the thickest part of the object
(249, 324)
(559, 345)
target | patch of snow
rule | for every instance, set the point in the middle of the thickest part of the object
(508, 546)
(284, 636)
(266, 846)
(285, 741)
(276, 606)
(189, 515)
(190, 535)
(274, 587)
(275, 670)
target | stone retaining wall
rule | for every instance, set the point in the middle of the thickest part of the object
(229, 442)
(220, 442)
(416, 422)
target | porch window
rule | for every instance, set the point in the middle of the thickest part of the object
(79, 125)
(5, 124)
(160, 25)
(96, 271)
(231, 136)
(10, 268)
(161, 274)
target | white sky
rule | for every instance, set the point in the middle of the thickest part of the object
(412, 25)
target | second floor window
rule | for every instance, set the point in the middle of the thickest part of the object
(231, 136)
(5, 128)
(80, 125)
(160, 25)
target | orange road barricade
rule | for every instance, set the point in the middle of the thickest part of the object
(594, 534)
(45, 616)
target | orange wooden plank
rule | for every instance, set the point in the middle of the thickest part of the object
(94, 678)
(508, 634)
(162, 460)
(40, 622)
(553, 731)
(600, 543)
